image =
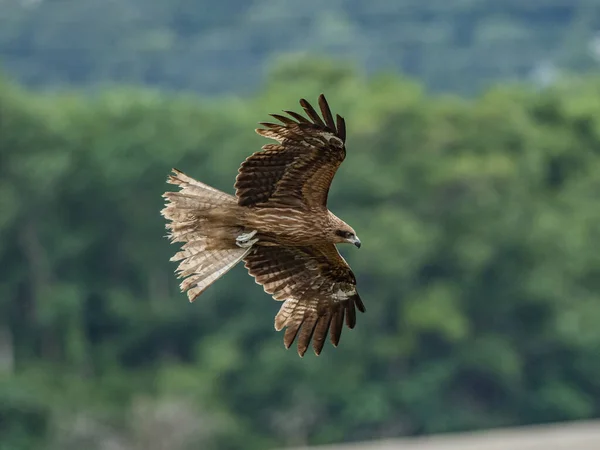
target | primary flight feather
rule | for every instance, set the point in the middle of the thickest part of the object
(278, 224)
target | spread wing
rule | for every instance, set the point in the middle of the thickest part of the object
(318, 289)
(298, 170)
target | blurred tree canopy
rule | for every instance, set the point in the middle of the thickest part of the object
(210, 47)
(480, 268)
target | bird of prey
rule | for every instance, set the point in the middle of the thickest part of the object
(278, 224)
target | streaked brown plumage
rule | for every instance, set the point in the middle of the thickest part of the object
(278, 224)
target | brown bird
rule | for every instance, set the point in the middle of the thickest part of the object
(278, 224)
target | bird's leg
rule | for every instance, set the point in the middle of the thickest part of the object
(245, 240)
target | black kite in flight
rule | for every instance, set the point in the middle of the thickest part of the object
(278, 224)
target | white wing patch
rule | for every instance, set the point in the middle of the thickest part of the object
(341, 295)
(332, 139)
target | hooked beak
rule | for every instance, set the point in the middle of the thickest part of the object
(356, 241)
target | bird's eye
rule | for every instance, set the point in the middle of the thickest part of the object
(344, 234)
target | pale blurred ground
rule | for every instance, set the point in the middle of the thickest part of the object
(584, 435)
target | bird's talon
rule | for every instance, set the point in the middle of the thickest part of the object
(247, 244)
(245, 240)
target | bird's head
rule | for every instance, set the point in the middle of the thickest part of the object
(346, 235)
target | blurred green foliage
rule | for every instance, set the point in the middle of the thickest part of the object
(480, 268)
(210, 47)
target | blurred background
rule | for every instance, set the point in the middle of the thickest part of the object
(472, 179)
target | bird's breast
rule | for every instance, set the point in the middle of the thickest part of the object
(287, 226)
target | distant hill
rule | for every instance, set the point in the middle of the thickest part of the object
(211, 47)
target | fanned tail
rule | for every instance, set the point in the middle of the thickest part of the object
(197, 216)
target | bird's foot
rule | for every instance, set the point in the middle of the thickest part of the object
(245, 240)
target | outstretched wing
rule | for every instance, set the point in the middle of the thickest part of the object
(318, 289)
(298, 170)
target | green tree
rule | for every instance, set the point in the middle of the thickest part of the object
(479, 267)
